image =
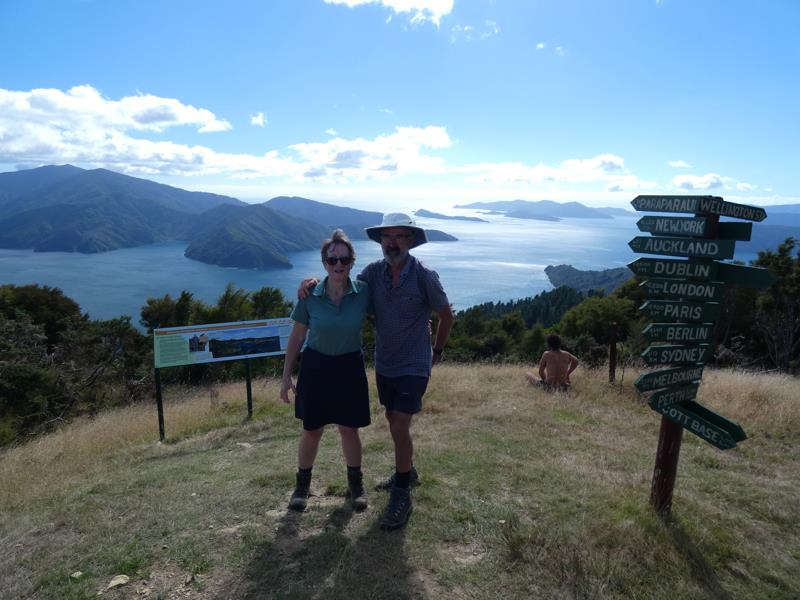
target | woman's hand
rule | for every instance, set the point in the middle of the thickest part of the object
(286, 385)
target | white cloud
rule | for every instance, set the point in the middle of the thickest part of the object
(331, 131)
(679, 164)
(84, 106)
(387, 156)
(541, 46)
(81, 127)
(745, 187)
(420, 10)
(560, 50)
(469, 33)
(698, 182)
(258, 119)
(603, 168)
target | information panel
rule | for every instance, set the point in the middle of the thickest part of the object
(216, 342)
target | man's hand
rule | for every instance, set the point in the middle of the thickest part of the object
(286, 385)
(304, 291)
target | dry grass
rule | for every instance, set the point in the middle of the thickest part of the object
(525, 495)
(53, 461)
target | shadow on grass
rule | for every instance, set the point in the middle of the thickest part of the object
(701, 570)
(328, 564)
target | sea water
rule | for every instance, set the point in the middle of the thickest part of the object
(500, 260)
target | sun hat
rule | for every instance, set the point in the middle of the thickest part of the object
(397, 220)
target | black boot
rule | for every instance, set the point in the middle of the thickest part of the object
(398, 510)
(299, 498)
(355, 483)
(388, 483)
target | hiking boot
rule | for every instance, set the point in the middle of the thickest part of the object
(358, 497)
(388, 483)
(299, 498)
(397, 511)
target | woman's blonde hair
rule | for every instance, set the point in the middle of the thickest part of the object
(337, 237)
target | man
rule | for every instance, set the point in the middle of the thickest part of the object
(555, 366)
(404, 292)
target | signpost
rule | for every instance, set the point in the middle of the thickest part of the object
(681, 246)
(677, 289)
(667, 310)
(684, 301)
(679, 332)
(694, 226)
(217, 342)
(668, 378)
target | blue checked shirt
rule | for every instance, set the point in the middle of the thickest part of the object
(402, 341)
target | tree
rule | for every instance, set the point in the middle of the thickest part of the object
(778, 307)
(605, 319)
(43, 304)
(269, 303)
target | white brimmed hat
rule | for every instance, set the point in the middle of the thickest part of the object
(397, 220)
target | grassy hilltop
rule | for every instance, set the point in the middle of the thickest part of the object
(524, 495)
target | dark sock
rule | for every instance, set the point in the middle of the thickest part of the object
(353, 470)
(402, 480)
(304, 471)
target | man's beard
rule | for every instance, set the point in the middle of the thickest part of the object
(395, 256)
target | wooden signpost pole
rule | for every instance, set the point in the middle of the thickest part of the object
(666, 469)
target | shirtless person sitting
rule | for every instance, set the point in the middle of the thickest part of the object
(554, 367)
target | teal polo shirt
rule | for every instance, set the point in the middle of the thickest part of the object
(332, 329)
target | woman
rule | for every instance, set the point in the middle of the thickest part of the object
(332, 384)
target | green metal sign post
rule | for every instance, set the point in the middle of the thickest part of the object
(684, 301)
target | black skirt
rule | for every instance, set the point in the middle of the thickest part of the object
(332, 389)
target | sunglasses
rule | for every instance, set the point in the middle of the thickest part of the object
(387, 237)
(343, 260)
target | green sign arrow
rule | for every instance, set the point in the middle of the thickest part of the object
(664, 398)
(701, 269)
(668, 377)
(667, 310)
(706, 424)
(734, 231)
(675, 268)
(677, 246)
(677, 355)
(750, 276)
(678, 289)
(691, 226)
(678, 332)
(698, 204)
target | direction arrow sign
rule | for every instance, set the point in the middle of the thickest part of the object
(668, 377)
(664, 398)
(695, 226)
(676, 332)
(734, 231)
(667, 310)
(698, 204)
(675, 268)
(705, 424)
(677, 289)
(676, 246)
(691, 226)
(678, 355)
(749, 276)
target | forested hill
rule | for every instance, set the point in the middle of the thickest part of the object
(68, 209)
(606, 280)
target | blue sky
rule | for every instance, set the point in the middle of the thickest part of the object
(403, 104)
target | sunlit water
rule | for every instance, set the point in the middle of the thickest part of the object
(500, 260)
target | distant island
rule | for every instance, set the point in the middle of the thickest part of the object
(584, 281)
(543, 210)
(68, 209)
(433, 215)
